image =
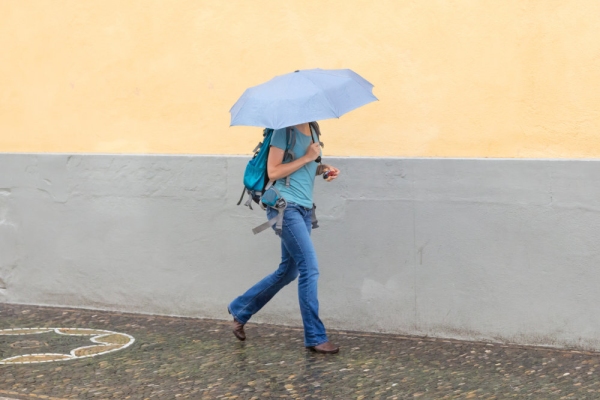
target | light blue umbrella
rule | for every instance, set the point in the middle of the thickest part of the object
(302, 96)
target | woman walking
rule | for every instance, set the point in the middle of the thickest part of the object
(298, 256)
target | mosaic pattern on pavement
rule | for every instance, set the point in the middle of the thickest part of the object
(104, 342)
(185, 358)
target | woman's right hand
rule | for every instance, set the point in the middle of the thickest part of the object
(313, 152)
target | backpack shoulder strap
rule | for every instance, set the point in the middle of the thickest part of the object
(315, 126)
(290, 136)
(289, 155)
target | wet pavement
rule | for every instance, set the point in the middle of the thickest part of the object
(184, 358)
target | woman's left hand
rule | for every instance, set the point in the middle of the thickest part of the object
(333, 172)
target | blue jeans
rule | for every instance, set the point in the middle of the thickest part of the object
(298, 257)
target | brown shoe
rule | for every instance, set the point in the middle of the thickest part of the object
(238, 328)
(325, 348)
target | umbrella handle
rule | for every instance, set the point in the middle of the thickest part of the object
(318, 160)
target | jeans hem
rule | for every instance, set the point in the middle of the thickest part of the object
(313, 345)
(236, 317)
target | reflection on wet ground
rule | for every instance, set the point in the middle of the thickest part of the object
(197, 359)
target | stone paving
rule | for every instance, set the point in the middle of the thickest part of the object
(184, 358)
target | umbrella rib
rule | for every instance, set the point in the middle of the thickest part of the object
(244, 101)
(335, 111)
(359, 79)
(287, 89)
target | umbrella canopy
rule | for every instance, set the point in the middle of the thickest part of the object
(302, 96)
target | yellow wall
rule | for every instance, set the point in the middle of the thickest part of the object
(464, 78)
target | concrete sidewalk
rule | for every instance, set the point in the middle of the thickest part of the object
(185, 358)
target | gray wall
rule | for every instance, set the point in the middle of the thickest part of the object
(503, 250)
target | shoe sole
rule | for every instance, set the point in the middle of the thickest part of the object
(324, 352)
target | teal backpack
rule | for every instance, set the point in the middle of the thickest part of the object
(261, 189)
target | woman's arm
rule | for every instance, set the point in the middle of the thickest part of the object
(277, 169)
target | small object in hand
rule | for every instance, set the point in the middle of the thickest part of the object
(326, 174)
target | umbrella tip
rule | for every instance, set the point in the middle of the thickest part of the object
(297, 70)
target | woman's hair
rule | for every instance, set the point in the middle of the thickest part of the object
(315, 125)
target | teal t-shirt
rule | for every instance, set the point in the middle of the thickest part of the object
(302, 181)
